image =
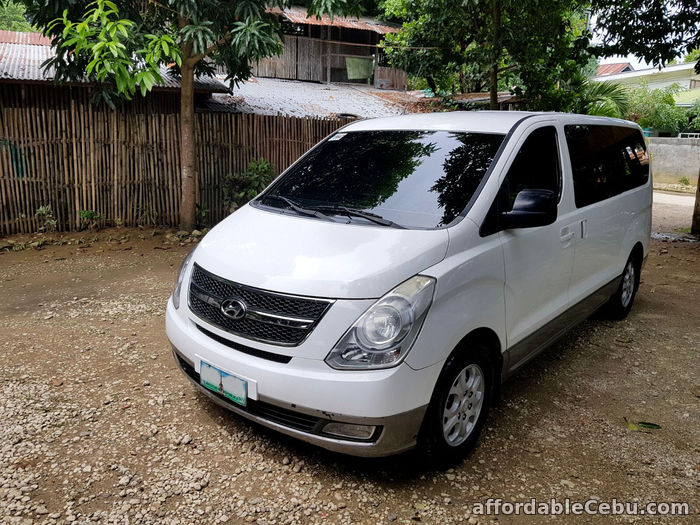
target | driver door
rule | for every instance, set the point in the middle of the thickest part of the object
(538, 260)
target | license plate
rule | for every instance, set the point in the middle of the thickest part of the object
(229, 386)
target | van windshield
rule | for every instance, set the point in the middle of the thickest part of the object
(410, 179)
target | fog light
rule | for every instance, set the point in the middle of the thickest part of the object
(349, 430)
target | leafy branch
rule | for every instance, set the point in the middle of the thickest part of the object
(103, 38)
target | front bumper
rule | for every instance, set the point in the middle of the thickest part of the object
(298, 398)
(394, 434)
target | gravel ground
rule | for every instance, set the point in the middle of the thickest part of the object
(100, 426)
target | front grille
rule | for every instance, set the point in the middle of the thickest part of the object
(259, 299)
(271, 317)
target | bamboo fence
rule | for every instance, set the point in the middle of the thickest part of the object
(58, 149)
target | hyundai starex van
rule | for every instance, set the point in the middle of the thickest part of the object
(376, 294)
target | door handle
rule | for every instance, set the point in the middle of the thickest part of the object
(566, 237)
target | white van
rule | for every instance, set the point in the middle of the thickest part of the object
(374, 297)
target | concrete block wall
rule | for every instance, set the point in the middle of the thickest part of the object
(674, 158)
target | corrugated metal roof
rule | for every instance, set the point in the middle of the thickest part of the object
(201, 84)
(23, 62)
(611, 69)
(298, 15)
(267, 96)
(15, 37)
(21, 56)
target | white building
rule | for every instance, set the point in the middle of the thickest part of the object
(682, 74)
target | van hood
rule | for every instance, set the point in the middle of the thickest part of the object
(306, 256)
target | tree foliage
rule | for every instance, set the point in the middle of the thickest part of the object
(656, 109)
(122, 46)
(439, 39)
(12, 17)
(528, 47)
(231, 34)
(103, 40)
(656, 30)
(603, 99)
(694, 117)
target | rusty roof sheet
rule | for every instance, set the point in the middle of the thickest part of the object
(612, 69)
(15, 37)
(298, 15)
(21, 56)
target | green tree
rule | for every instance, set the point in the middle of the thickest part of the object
(656, 30)
(438, 41)
(125, 44)
(533, 45)
(693, 115)
(12, 17)
(546, 41)
(692, 56)
(656, 109)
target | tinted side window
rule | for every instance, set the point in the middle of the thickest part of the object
(536, 166)
(606, 161)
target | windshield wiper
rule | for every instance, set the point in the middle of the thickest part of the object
(352, 212)
(299, 209)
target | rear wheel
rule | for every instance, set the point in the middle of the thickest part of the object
(458, 408)
(620, 304)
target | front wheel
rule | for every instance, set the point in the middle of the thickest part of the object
(458, 408)
(620, 304)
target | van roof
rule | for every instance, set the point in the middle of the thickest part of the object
(474, 121)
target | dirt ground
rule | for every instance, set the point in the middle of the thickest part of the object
(98, 425)
(673, 212)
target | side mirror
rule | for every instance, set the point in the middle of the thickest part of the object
(531, 208)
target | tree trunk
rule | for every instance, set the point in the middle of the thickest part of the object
(431, 84)
(462, 78)
(495, 54)
(493, 88)
(695, 227)
(188, 173)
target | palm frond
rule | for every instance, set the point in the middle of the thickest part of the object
(605, 99)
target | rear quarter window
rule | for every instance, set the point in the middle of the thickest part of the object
(605, 161)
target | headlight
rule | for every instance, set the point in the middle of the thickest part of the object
(180, 278)
(384, 334)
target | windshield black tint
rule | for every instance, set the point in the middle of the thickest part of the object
(420, 179)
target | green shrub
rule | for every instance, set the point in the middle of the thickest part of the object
(91, 219)
(685, 181)
(656, 109)
(239, 188)
(46, 218)
(146, 216)
(200, 216)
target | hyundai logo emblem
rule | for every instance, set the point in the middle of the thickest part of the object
(233, 308)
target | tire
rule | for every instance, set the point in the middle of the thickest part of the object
(445, 440)
(620, 304)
